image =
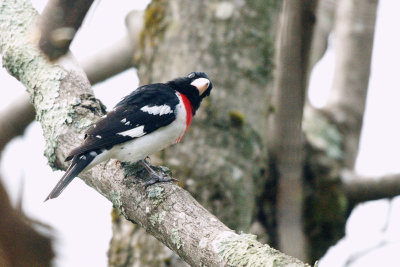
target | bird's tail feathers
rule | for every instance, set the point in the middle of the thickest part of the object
(76, 167)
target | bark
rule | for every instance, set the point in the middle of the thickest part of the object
(333, 133)
(65, 106)
(286, 141)
(325, 19)
(361, 188)
(325, 207)
(14, 119)
(220, 160)
(99, 67)
(58, 25)
(354, 33)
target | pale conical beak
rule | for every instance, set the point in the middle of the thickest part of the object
(201, 84)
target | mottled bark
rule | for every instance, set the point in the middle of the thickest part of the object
(65, 106)
(58, 25)
(325, 206)
(354, 33)
(286, 140)
(220, 159)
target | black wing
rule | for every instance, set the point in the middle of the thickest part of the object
(131, 118)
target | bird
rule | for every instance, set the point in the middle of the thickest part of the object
(149, 119)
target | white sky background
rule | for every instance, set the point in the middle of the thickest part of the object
(81, 217)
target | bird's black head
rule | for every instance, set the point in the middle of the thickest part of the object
(195, 86)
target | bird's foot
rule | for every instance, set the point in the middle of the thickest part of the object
(155, 178)
(159, 179)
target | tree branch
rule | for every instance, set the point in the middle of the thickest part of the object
(109, 61)
(14, 119)
(325, 14)
(362, 188)
(118, 57)
(58, 25)
(65, 106)
(354, 28)
(287, 144)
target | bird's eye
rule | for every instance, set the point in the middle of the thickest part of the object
(191, 75)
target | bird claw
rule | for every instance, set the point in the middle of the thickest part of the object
(158, 179)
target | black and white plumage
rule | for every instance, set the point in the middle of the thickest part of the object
(146, 121)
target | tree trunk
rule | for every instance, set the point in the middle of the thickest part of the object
(286, 140)
(221, 158)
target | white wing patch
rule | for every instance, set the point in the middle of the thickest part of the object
(157, 110)
(135, 132)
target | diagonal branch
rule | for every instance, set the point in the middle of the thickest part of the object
(65, 106)
(118, 57)
(58, 25)
(109, 61)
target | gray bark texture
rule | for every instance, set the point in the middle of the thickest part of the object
(221, 158)
(65, 107)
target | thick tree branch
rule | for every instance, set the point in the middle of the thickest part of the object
(354, 32)
(14, 119)
(58, 25)
(65, 106)
(109, 62)
(325, 16)
(286, 138)
(361, 188)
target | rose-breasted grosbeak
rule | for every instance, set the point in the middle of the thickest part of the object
(148, 120)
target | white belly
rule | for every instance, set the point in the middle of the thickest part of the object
(146, 145)
(142, 147)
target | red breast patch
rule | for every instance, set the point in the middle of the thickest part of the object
(189, 114)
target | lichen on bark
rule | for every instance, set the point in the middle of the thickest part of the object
(235, 249)
(325, 204)
(221, 158)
